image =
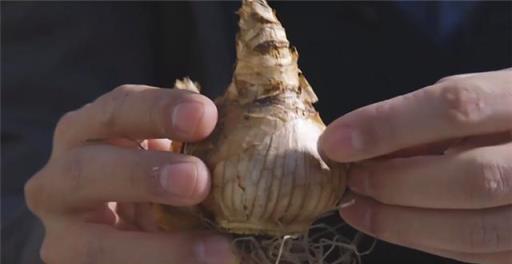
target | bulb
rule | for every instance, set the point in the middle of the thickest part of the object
(267, 175)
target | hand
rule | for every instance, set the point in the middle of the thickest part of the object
(435, 167)
(94, 161)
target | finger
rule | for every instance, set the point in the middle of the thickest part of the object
(137, 111)
(471, 231)
(103, 245)
(97, 174)
(479, 178)
(478, 104)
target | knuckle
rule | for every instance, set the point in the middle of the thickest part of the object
(384, 123)
(34, 192)
(107, 105)
(451, 78)
(374, 132)
(48, 251)
(124, 88)
(445, 79)
(36, 196)
(104, 109)
(61, 175)
(65, 124)
(463, 101)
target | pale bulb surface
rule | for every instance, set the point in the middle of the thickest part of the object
(268, 177)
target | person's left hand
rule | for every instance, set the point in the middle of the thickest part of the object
(434, 168)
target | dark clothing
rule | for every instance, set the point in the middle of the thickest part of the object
(59, 56)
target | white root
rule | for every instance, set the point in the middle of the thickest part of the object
(321, 244)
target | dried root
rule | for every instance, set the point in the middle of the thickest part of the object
(322, 243)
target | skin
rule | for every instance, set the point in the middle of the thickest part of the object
(433, 168)
(442, 185)
(93, 193)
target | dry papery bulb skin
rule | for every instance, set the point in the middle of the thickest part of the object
(268, 179)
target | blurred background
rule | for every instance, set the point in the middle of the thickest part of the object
(58, 56)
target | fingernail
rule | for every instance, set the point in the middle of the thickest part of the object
(348, 199)
(358, 180)
(214, 250)
(180, 179)
(340, 143)
(186, 117)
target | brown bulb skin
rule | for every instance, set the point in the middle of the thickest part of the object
(267, 175)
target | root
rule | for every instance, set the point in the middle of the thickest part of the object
(322, 243)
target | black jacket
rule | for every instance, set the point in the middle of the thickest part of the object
(59, 56)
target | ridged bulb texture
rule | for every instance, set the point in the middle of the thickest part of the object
(267, 175)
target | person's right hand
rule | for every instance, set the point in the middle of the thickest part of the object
(95, 164)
